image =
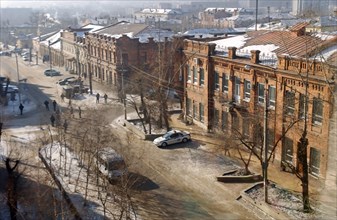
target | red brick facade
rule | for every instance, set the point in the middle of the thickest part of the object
(226, 92)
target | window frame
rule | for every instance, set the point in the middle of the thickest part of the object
(201, 112)
(201, 77)
(195, 75)
(290, 99)
(216, 81)
(247, 88)
(225, 82)
(317, 105)
(314, 166)
(272, 99)
(260, 89)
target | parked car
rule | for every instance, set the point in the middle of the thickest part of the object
(111, 165)
(52, 72)
(10, 89)
(65, 81)
(172, 137)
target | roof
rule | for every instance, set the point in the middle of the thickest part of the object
(141, 31)
(122, 28)
(275, 43)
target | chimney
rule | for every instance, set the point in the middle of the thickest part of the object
(255, 56)
(231, 52)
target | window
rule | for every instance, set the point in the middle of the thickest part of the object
(189, 77)
(201, 112)
(314, 163)
(288, 150)
(260, 93)
(195, 75)
(224, 120)
(317, 111)
(216, 81)
(245, 127)
(289, 102)
(188, 106)
(201, 77)
(271, 139)
(301, 106)
(225, 83)
(235, 121)
(247, 90)
(272, 96)
(195, 111)
(237, 90)
(216, 118)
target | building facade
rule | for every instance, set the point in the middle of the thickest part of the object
(226, 92)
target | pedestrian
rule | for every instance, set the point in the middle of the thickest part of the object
(69, 103)
(97, 97)
(65, 126)
(21, 107)
(79, 112)
(52, 120)
(71, 111)
(54, 105)
(62, 97)
(105, 98)
(46, 103)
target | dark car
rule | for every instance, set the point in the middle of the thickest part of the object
(51, 72)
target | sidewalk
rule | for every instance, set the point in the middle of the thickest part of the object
(323, 195)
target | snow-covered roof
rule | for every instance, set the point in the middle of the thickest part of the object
(160, 11)
(93, 27)
(273, 43)
(207, 32)
(141, 31)
(52, 39)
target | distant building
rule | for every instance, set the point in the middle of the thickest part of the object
(311, 7)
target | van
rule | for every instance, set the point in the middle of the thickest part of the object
(111, 165)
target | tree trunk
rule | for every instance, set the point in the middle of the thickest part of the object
(303, 168)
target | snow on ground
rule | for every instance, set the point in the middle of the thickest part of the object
(72, 176)
(285, 201)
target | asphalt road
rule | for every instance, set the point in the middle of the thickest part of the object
(179, 182)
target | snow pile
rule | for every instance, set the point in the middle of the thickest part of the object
(283, 200)
(72, 176)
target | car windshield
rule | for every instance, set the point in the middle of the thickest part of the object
(167, 135)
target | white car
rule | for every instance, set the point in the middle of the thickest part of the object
(172, 137)
(111, 165)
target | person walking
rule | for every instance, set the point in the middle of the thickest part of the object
(97, 97)
(46, 103)
(71, 111)
(54, 105)
(79, 112)
(21, 107)
(62, 97)
(52, 120)
(105, 98)
(65, 126)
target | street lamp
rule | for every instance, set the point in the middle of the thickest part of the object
(89, 68)
(122, 73)
(50, 65)
(17, 71)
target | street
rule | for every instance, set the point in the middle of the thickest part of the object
(179, 181)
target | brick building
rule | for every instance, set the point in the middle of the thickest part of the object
(119, 49)
(225, 89)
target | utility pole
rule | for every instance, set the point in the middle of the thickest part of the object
(265, 142)
(17, 71)
(77, 61)
(123, 90)
(256, 11)
(50, 66)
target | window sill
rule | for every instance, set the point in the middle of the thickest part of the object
(246, 100)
